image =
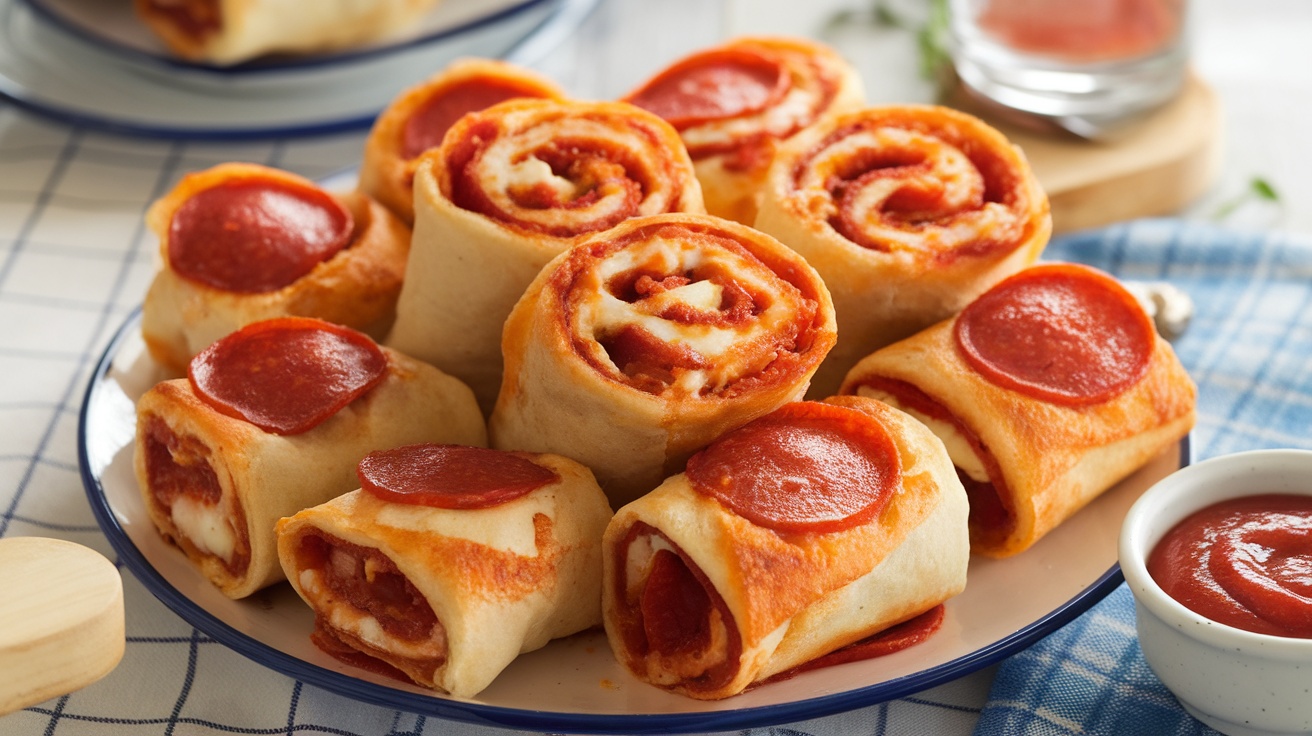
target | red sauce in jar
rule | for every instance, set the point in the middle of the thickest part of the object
(1085, 31)
(1245, 562)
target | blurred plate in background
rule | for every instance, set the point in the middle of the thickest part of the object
(46, 69)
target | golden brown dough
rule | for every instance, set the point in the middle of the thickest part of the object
(357, 287)
(215, 484)
(491, 583)
(1028, 463)
(908, 213)
(778, 599)
(639, 346)
(510, 188)
(417, 119)
(769, 88)
(226, 32)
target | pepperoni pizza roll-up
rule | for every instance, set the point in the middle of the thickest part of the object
(272, 419)
(638, 347)
(417, 119)
(451, 561)
(908, 213)
(1047, 390)
(510, 188)
(226, 32)
(240, 243)
(805, 534)
(733, 104)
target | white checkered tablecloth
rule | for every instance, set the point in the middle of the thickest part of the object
(75, 259)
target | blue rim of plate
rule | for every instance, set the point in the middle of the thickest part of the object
(380, 695)
(560, 23)
(281, 64)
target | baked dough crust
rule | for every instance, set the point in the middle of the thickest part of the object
(467, 270)
(386, 173)
(264, 477)
(1053, 459)
(253, 28)
(561, 393)
(884, 295)
(501, 580)
(357, 287)
(795, 597)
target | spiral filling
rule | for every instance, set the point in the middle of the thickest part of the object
(891, 189)
(689, 312)
(563, 174)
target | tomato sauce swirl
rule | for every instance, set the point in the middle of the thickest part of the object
(1245, 562)
(564, 169)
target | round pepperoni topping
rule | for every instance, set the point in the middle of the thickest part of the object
(806, 467)
(451, 476)
(256, 235)
(1063, 333)
(713, 85)
(287, 375)
(432, 119)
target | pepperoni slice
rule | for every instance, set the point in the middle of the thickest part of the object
(432, 119)
(255, 235)
(716, 84)
(1063, 333)
(287, 375)
(451, 476)
(806, 467)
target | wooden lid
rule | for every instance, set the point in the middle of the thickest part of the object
(61, 619)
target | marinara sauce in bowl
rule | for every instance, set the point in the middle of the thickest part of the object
(1218, 556)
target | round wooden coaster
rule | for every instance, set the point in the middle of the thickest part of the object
(1152, 167)
(61, 619)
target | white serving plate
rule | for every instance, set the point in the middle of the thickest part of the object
(574, 684)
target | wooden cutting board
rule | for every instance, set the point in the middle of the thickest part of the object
(61, 619)
(1154, 167)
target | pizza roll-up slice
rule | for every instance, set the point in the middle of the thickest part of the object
(226, 32)
(417, 119)
(908, 213)
(638, 347)
(510, 188)
(807, 531)
(732, 105)
(1047, 390)
(451, 561)
(273, 419)
(241, 243)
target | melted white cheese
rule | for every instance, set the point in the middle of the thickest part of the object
(205, 525)
(721, 346)
(959, 450)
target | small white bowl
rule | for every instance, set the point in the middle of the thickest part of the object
(1236, 681)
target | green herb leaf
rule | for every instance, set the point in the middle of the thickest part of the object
(1258, 188)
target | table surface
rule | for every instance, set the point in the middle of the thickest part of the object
(75, 259)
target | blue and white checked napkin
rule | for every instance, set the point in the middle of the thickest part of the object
(1249, 348)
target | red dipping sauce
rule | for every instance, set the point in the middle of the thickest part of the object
(1245, 562)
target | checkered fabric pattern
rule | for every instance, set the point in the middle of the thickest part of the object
(1249, 347)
